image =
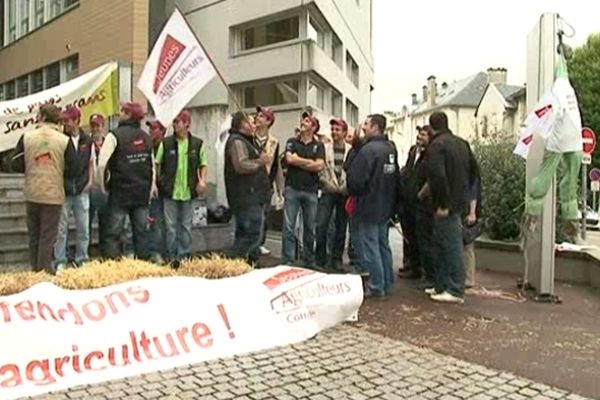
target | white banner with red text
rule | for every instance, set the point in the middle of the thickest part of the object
(93, 92)
(53, 339)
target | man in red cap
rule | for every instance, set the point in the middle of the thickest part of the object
(305, 159)
(264, 120)
(77, 199)
(98, 199)
(127, 157)
(182, 177)
(333, 199)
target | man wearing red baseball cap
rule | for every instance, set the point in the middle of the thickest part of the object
(182, 177)
(305, 159)
(77, 188)
(333, 199)
(128, 158)
(264, 120)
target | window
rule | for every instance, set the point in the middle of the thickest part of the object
(53, 75)
(71, 67)
(351, 69)
(336, 103)
(351, 113)
(38, 17)
(2, 93)
(272, 94)
(23, 86)
(37, 81)
(56, 8)
(273, 32)
(315, 33)
(316, 95)
(10, 90)
(337, 51)
(12, 21)
(69, 3)
(24, 12)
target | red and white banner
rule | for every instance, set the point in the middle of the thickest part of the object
(177, 69)
(53, 339)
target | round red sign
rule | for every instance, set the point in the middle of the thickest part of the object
(589, 140)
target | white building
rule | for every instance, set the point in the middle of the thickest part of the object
(286, 54)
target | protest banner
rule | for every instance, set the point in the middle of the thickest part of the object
(53, 339)
(93, 92)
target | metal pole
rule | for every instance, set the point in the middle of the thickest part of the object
(594, 201)
(583, 201)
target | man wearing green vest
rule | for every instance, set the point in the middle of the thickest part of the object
(181, 159)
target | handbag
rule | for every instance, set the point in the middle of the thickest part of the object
(472, 232)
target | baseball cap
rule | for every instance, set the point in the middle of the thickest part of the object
(134, 109)
(96, 119)
(339, 122)
(313, 119)
(71, 113)
(155, 125)
(184, 116)
(267, 112)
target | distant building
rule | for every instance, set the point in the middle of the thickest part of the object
(470, 103)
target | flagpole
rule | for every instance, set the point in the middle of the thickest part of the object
(229, 90)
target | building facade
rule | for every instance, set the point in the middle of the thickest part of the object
(48, 42)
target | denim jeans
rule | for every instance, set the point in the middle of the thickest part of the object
(99, 207)
(354, 247)
(248, 229)
(296, 200)
(427, 254)
(126, 237)
(377, 256)
(80, 207)
(116, 229)
(178, 225)
(331, 205)
(448, 250)
(157, 229)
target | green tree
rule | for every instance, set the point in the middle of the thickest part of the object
(584, 71)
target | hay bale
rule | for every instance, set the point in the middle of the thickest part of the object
(98, 274)
(15, 282)
(213, 267)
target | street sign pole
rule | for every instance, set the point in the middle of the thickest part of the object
(584, 201)
(589, 145)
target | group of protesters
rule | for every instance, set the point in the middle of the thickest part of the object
(140, 187)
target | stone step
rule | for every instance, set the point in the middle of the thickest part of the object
(12, 206)
(14, 220)
(19, 236)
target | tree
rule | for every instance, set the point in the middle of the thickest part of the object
(584, 71)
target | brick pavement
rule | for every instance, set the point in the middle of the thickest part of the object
(342, 363)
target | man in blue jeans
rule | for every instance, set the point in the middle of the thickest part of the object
(373, 177)
(305, 159)
(451, 167)
(182, 170)
(77, 190)
(247, 186)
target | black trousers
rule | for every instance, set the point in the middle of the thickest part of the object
(42, 228)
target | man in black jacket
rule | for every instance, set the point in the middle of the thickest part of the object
(128, 158)
(451, 168)
(373, 181)
(181, 161)
(77, 199)
(247, 186)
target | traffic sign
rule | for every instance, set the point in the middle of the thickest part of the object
(587, 159)
(595, 174)
(589, 140)
(595, 186)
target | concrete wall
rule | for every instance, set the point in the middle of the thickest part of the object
(100, 31)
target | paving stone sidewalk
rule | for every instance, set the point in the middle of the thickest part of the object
(342, 363)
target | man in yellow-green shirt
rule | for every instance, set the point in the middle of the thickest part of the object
(181, 159)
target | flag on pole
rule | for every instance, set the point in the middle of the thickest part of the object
(177, 69)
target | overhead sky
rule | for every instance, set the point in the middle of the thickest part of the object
(453, 39)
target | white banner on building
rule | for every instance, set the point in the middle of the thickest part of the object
(177, 69)
(53, 339)
(92, 92)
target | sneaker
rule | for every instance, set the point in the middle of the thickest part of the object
(157, 259)
(264, 251)
(61, 267)
(447, 298)
(431, 291)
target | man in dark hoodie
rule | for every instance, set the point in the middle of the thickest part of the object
(373, 178)
(450, 170)
(247, 186)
